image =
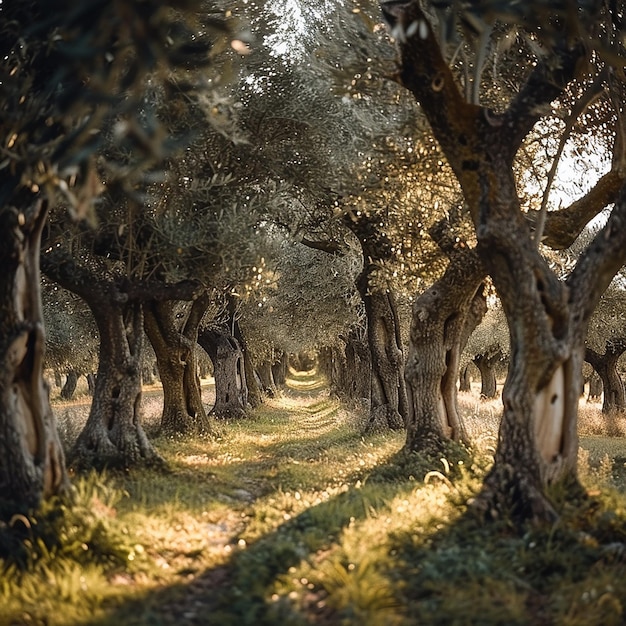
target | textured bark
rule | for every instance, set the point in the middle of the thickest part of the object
(113, 435)
(91, 383)
(255, 396)
(547, 318)
(605, 365)
(69, 388)
(231, 392)
(388, 394)
(174, 347)
(32, 464)
(438, 332)
(486, 364)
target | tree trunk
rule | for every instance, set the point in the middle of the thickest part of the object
(255, 397)
(465, 379)
(439, 330)
(32, 464)
(595, 387)
(486, 364)
(547, 318)
(58, 379)
(113, 435)
(91, 383)
(174, 347)
(605, 365)
(280, 367)
(69, 388)
(358, 368)
(266, 376)
(228, 369)
(388, 393)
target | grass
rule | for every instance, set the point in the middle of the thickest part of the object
(293, 517)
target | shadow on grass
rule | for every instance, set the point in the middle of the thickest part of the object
(240, 592)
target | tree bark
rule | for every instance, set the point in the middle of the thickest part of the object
(605, 365)
(32, 463)
(228, 369)
(174, 347)
(438, 334)
(358, 368)
(547, 318)
(113, 435)
(266, 377)
(388, 394)
(279, 369)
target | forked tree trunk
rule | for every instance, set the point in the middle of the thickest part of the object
(486, 364)
(605, 365)
(175, 350)
(113, 435)
(231, 392)
(32, 464)
(438, 334)
(547, 319)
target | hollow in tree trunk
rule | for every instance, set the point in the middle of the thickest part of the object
(113, 435)
(228, 369)
(605, 365)
(32, 464)
(175, 350)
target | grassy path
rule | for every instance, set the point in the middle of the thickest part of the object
(292, 517)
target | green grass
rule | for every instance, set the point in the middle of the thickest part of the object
(293, 517)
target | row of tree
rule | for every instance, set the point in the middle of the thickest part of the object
(236, 168)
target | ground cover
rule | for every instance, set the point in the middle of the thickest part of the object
(294, 517)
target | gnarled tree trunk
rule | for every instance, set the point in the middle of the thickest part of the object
(32, 464)
(439, 330)
(228, 369)
(605, 365)
(113, 435)
(174, 347)
(388, 394)
(358, 367)
(547, 318)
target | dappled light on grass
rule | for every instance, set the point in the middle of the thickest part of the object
(294, 516)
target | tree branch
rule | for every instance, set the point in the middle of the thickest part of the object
(599, 263)
(562, 227)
